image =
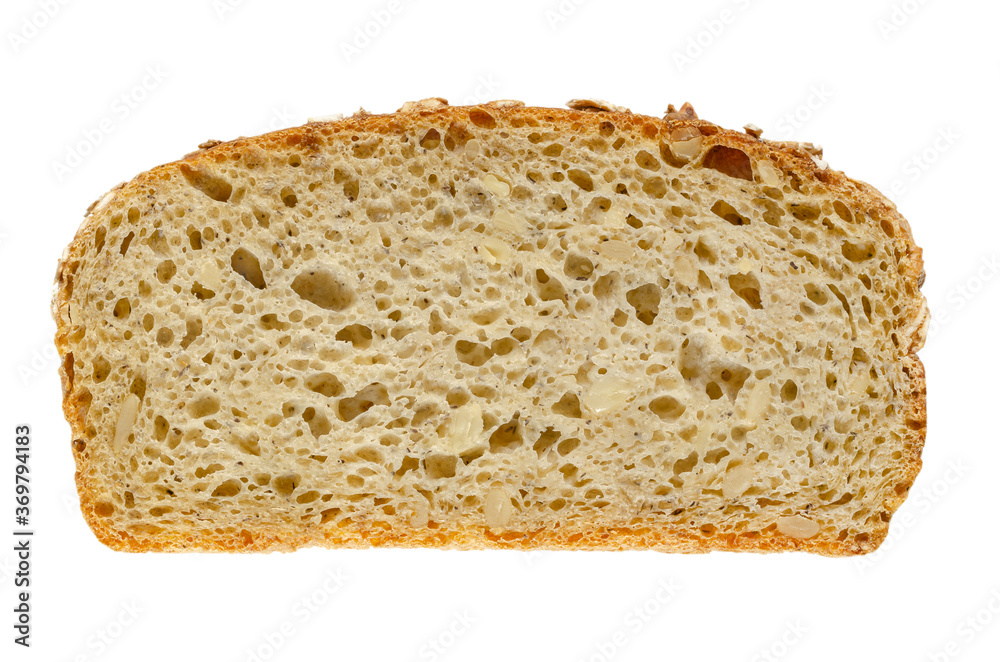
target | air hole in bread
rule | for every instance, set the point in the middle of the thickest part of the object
(122, 309)
(99, 237)
(858, 251)
(549, 287)
(685, 464)
(569, 406)
(368, 397)
(125, 243)
(645, 299)
(581, 178)
(431, 139)
(247, 265)
(288, 197)
(317, 421)
(473, 353)
(203, 406)
(507, 436)
(482, 119)
(286, 484)
(747, 287)
(193, 329)
(229, 488)
(724, 210)
(553, 150)
(729, 161)
(440, 466)
(101, 369)
(647, 161)
(359, 335)
(322, 288)
(655, 187)
(805, 211)
(555, 202)
(165, 336)
(213, 186)
(667, 407)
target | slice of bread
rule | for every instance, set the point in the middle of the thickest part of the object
(494, 326)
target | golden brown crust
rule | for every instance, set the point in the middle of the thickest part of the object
(799, 158)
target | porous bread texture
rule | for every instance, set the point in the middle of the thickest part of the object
(494, 326)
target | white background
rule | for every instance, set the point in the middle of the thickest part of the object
(901, 94)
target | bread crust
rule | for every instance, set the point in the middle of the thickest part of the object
(802, 159)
